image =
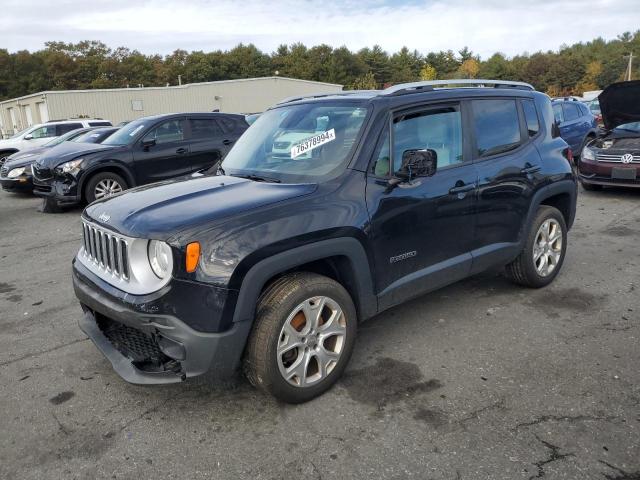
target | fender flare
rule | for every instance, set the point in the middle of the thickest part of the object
(260, 273)
(563, 186)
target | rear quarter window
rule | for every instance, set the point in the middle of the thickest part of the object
(531, 117)
(496, 125)
(571, 112)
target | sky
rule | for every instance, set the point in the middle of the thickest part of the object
(160, 26)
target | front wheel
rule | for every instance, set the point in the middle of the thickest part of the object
(304, 333)
(541, 259)
(103, 185)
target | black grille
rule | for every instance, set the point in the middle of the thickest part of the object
(41, 173)
(132, 343)
(3, 171)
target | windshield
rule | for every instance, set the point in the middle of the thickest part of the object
(299, 143)
(629, 127)
(127, 134)
(16, 135)
(63, 138)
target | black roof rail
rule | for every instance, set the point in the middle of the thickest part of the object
(425, 86)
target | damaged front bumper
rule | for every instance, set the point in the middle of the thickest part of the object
(153, 348)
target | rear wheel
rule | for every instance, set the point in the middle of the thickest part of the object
(541, 259)
(103, 185)
(304, 334)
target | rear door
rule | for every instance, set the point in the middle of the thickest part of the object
(505, 132)
(207, 142)
(163, 152)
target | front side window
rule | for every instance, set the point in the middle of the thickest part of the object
(497, 126)
(167, 132)
(438, 129)
(298, 143)
(46, 131)
(570, 112)
(531, 117)
(204, 128)
(557, 113)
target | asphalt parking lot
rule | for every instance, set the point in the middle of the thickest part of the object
(480, 380)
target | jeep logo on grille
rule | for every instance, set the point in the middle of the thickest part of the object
(104, 217)
(627, 158)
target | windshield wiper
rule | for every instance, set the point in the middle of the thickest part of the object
(256, 178)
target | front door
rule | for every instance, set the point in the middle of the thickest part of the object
(422, 231)
(163, 152)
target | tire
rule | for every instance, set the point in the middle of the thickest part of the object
(591, 187)
(102, 182)
(286, 376)
(528, 270)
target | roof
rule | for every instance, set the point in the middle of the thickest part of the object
(417, 87)
(171, 87)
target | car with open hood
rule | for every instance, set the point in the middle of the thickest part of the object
(268, 263)
(15, 173)
(614, 157)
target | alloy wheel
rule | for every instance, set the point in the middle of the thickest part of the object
(106, 188)
(311, 341)
(547, 248)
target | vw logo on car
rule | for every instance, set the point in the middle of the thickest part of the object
(627, 158)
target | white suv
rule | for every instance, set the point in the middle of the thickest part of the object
(40, 134)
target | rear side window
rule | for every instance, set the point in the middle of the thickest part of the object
(228, 125)
(497, 126)
(583, 109)
(100, 124)
(67, 127)
(531, 117)
(570, 112)
(204, 128)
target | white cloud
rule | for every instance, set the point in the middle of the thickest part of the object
(155, 26)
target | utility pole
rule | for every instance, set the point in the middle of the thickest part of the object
(179, 79)
(629, 66)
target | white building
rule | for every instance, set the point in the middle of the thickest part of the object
(250, 95)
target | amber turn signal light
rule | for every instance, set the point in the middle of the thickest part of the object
(193, 255)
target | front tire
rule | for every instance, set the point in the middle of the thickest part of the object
(303, 336)
(103, 185)
(543, 254)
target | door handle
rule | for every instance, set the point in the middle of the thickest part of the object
(462, 188)
(181, 151)
(529, 169)
(227, 142)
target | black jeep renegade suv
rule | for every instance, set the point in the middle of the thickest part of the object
(327, 211)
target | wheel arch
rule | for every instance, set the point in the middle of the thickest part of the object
(8, 151)
(561, 195)
(112, 167)
(342, 259)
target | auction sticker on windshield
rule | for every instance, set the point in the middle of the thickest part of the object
(313, 142)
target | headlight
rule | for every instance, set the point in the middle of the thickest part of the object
(160, 258)
(71, 167)
(587, 154)
(16, 172)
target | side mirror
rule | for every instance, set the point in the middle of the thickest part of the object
(28, 137)
(418, 163)
(147, 143)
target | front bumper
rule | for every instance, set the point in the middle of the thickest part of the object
(595, 172)
(20, 184)
(60, 192)
(145, 346)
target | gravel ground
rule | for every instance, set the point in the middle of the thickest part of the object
(480, 380)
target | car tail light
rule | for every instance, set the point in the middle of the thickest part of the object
(568, 154)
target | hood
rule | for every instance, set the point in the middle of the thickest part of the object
(162, 210)
(20, 161)
(620, 103)
(68, 151)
